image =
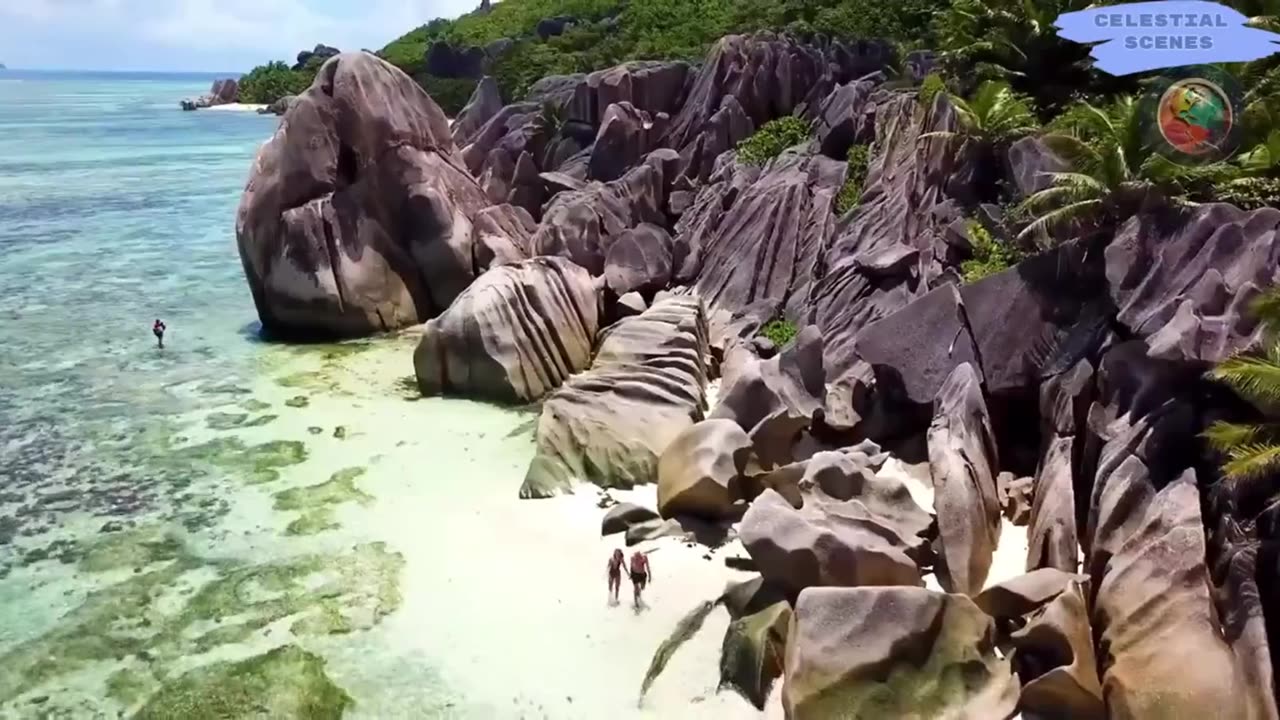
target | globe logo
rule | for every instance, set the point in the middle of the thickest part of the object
(1195, 117)
(1191, 115)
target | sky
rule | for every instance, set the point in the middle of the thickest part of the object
(199, 35)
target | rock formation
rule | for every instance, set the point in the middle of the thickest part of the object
(357, 214)
(599, 246)
(513, 336)
(611, 424)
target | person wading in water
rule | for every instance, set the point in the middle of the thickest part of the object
(615, 573)
(158, 330)
(640, 574)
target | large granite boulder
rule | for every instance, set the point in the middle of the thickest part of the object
(485, 103)
(1153, 601)
(1030, 164)
(843, 119)
(827, 544)
(224, 92)
(501, 235)
(964, 464)
(625, 136)
(1183, 286)
(888, 253)
(610, 425)
(1054, 658)
(582, 225)
(639, 260)
(700, 470)
(753, 652)
(916, 349)
(516, 334)
(774, 399)
(1038, 318)
(765, 244)
(765, 76)
(319, 53)
(893, 652)
(357, 214)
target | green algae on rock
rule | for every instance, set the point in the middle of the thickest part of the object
(254, 405)
(338, 489)
(233, 421)
(317, 501)
(312, 522)
(130, 549)
(256, 463)
(287, 682)
(193, 605)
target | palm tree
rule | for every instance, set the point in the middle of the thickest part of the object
(1114, 170)
(1252, 449)
(994, 116)
(1016, 41)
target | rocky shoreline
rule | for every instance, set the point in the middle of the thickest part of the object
(599, 248)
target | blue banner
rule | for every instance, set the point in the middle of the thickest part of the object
(1137, 37)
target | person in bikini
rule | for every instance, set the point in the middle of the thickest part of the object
(615, 573)
(158, 330)
(640, 574)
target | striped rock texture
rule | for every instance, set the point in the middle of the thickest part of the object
(610, 425)
(513, 335)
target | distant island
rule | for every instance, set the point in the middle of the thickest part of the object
(2, 67)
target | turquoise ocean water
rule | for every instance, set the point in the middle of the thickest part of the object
(233, 528)
(143, 536)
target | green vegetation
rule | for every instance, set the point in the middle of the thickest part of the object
(772, 138)
(990, 256)
(286, 682)
(267, 83)
(1253, 449)
(995, 116)
(178, 605)
(612, 31)
(855, 175)
(450, 94)
(930, 87)
(779, 331)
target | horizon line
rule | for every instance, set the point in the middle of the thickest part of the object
(229, 73)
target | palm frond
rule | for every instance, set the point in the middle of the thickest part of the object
(1254, 378)
(1226, 437)
(1056, 218)
(1266, 308)
(1252, 461)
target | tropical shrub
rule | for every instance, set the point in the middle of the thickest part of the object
(779, 331)
(772, 138)
(994, 116)
(930, 87)
(990, 256)
(267, 83)
(1114, 173)
(855, 175)
(1253, 449)
(1016, 41)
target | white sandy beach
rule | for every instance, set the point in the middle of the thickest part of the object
(237, 107)
(505, 602)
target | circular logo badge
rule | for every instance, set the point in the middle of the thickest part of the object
(1193, 112)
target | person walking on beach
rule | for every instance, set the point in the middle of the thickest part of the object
(615, 573)
(640, 575)
(158, 330)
